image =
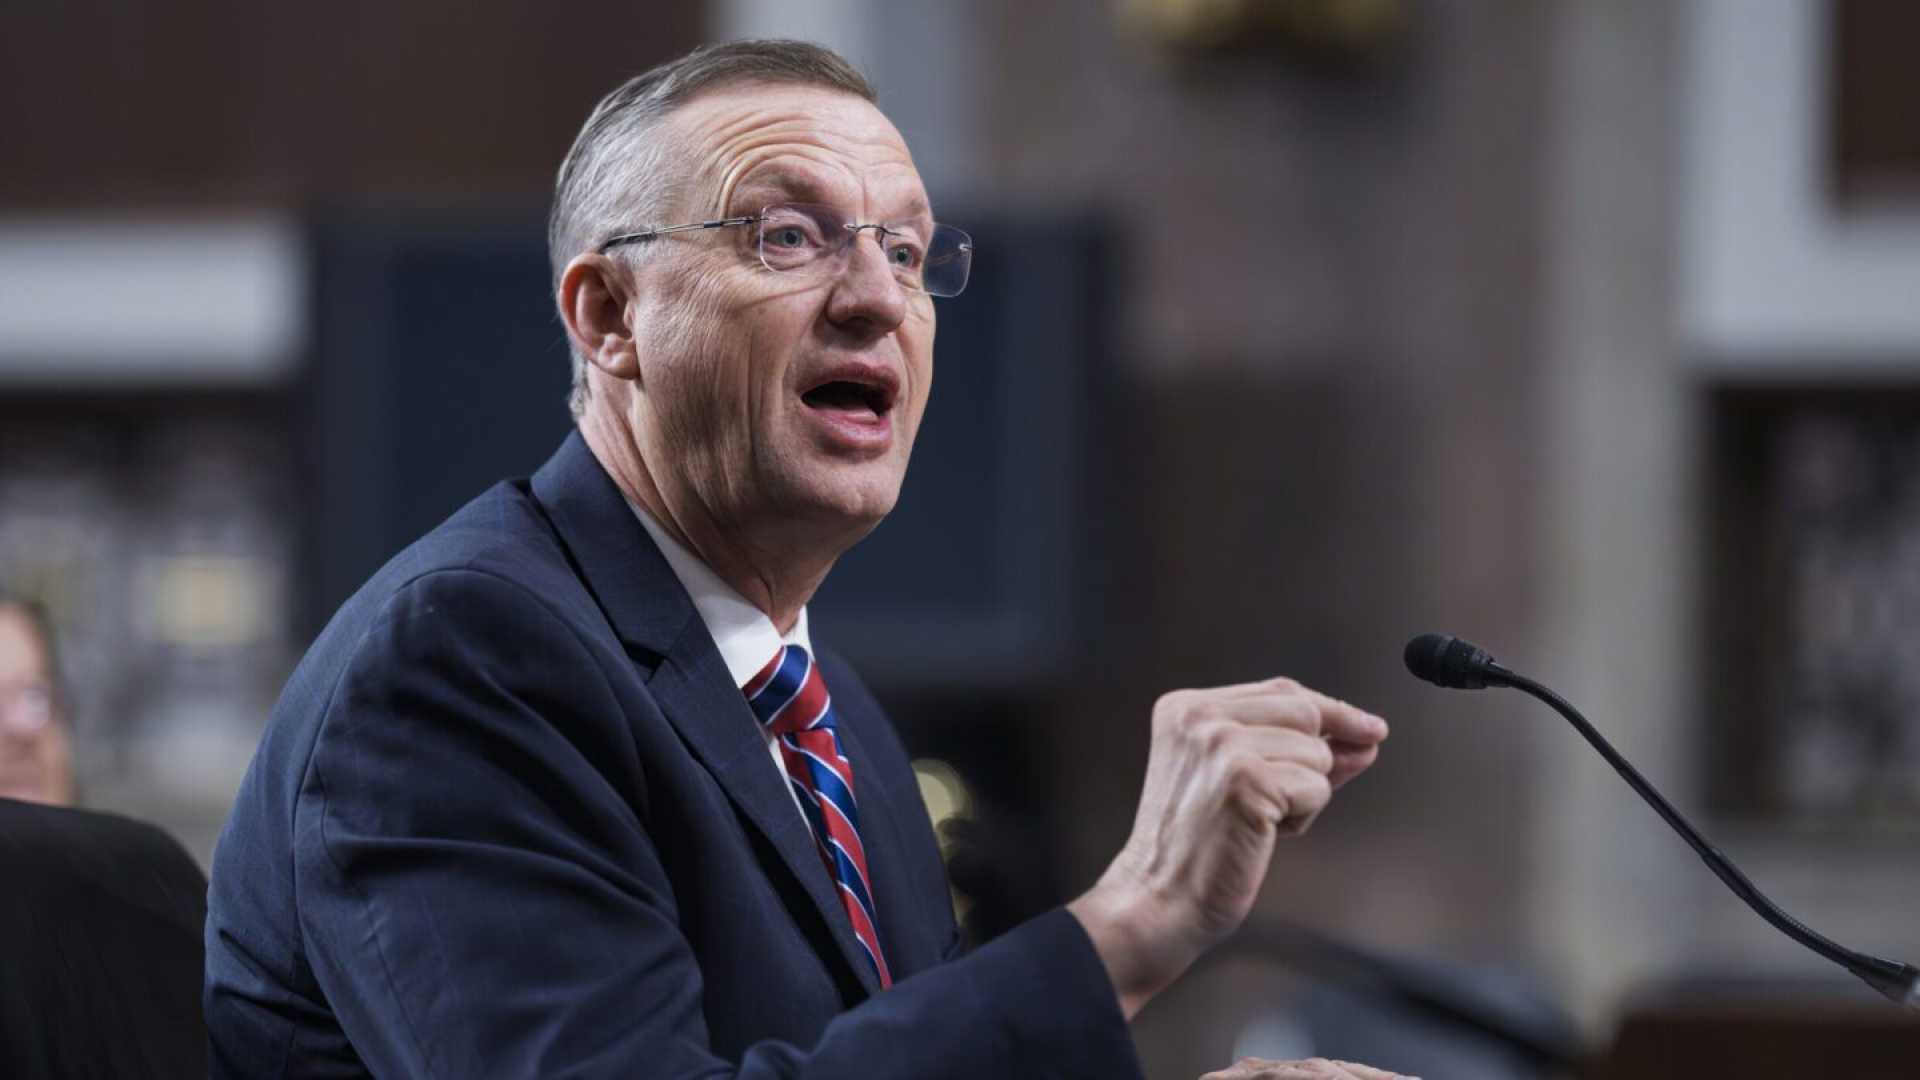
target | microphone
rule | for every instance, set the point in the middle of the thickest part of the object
(1458, 665)
(1450, 662)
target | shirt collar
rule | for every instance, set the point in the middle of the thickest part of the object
(745, 636)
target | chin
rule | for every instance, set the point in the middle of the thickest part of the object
(854, 497)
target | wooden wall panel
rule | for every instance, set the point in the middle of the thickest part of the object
(106, 102)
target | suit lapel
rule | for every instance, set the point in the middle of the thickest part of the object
(651, 612)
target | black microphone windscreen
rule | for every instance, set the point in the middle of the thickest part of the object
(1447, 661)
(1423, 656)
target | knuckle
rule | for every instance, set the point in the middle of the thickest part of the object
(1215, 735)
(1321, 756)
(1248, 793)
(1310, 715)
(1262, 804)
(1317, 790)
(1179, 703)
(1167, 709)
(1240, 765)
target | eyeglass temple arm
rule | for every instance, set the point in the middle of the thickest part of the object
(648, 234)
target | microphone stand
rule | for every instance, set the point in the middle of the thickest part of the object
(1898, 982)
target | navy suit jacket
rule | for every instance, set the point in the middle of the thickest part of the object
(512, 817)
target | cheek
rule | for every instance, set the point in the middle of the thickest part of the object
(919, 367)
(763, 347)
(689, 380)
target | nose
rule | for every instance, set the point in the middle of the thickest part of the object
(867, 296)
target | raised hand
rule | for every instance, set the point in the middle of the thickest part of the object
(1230, 770)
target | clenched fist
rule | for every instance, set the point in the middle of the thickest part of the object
(1310, 1069)
(1230, 771)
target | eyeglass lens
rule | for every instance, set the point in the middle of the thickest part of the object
(799, 237)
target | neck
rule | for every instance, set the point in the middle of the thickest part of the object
(778, 578)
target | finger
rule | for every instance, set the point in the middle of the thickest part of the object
(1258, 688)
(1368, 1072)
(1285, 745)
(1310, 1069)
(1258, 1069)
(1324, 1069)
(1245, 1068)
(1282, 700)
(1348, 764)
(1274, 708)
(1293, 794)
(1344, 723)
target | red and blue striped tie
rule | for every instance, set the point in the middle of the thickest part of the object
(790, 698)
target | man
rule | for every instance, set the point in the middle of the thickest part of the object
(567, 788)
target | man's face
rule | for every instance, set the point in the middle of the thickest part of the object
(781, 400)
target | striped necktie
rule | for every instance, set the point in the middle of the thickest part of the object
(790, 698)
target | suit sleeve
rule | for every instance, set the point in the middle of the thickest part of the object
(480, 900)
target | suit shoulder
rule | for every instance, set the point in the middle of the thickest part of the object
(494, 567)
(504, 533)
(500, 539)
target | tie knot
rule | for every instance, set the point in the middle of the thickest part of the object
(788, 694)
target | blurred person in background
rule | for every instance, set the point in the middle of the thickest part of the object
(569, 788)
(36, 752)
(100, 915)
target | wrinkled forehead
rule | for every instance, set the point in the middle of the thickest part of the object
(756, 143)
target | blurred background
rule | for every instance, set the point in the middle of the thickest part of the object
(1589, 331)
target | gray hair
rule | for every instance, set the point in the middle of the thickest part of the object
(620, 173)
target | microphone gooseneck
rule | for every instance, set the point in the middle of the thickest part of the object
(1455, 664)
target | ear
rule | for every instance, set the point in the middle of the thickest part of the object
(593, 304)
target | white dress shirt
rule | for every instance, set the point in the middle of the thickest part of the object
(745, 636)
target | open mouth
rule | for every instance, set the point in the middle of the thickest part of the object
(846, 396)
